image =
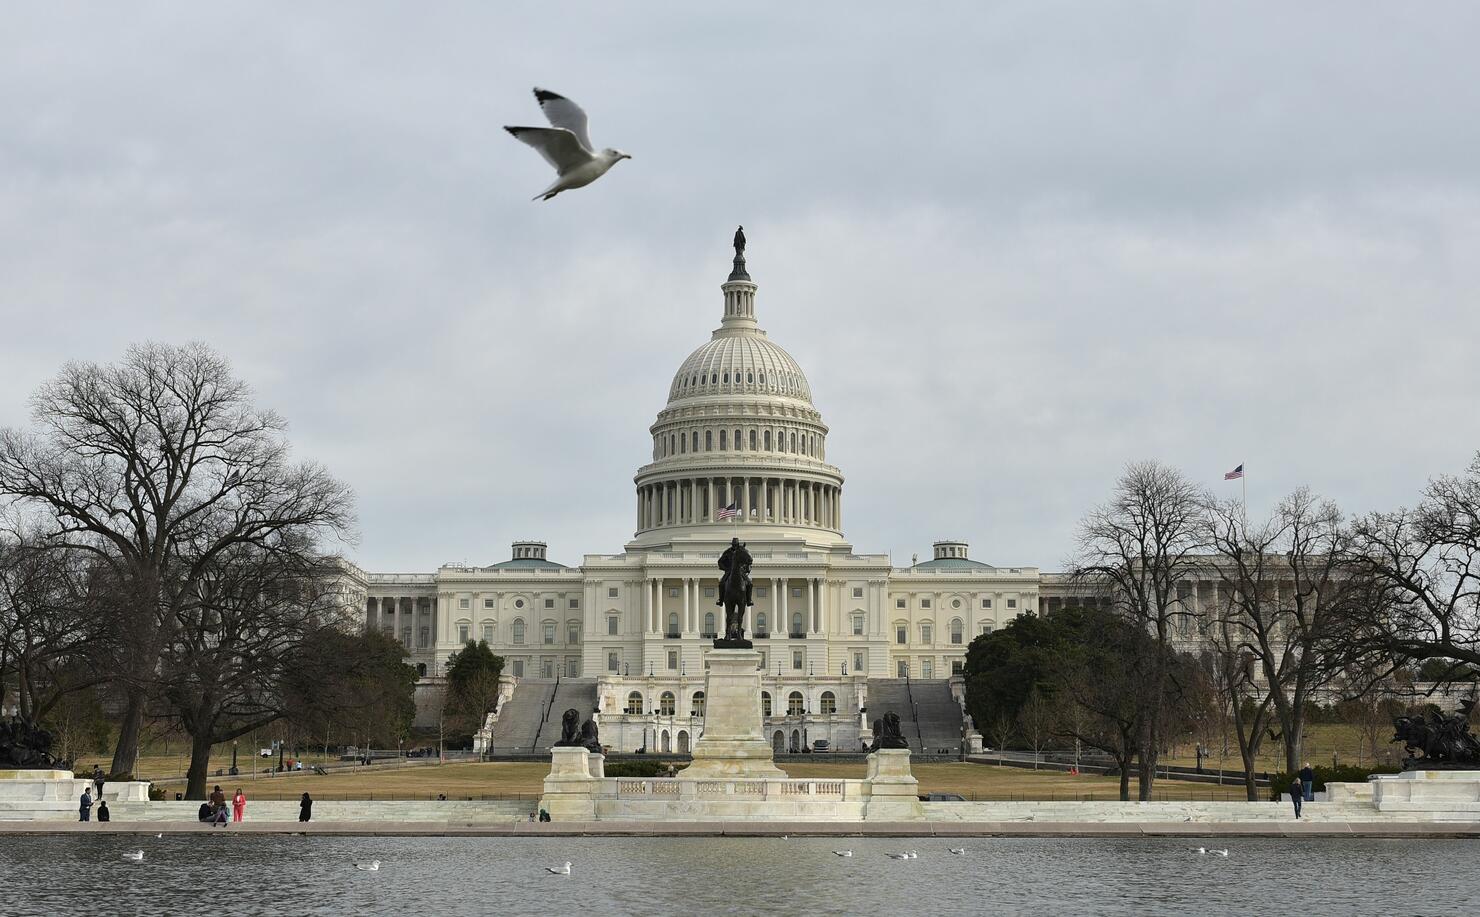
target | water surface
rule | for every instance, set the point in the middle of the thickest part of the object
(267, 874)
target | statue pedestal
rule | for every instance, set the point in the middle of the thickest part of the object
(894, 793)
(570, 788)
(734, 742)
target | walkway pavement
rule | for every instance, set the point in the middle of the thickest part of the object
(1291, 828)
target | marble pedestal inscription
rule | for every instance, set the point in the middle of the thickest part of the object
(733, 743)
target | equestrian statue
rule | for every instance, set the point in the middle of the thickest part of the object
(735, 595)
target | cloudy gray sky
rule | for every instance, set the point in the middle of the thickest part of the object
(1013, 245)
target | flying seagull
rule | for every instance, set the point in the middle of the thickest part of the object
(565, 144)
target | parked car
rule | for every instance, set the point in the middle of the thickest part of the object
(821, 745)
(942, 797)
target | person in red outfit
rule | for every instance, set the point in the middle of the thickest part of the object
(238, 805)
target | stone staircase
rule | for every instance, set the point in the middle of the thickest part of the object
(937, 716)
(929, 717)
(577, 693)
(517, 728)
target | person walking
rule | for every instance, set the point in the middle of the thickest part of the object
(1297, 794)
(305, 808)
(84, 806)
(238, 805)
(1308, 783)
(102, 810)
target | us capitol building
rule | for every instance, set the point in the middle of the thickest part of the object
(834, 627)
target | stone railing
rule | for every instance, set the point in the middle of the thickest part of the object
(748, 788)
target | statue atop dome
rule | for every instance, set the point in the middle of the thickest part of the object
(739, 273)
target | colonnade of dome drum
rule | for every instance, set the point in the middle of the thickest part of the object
(759, 499)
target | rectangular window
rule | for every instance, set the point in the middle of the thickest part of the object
(901, 634)
(925, 634)
(462, 603)
(986, 603)
(518, 631)
(1012, 603)
(611, 626)
(613, 661)
(858, 663)
(796, 659)
(927, 668)
(673, 660)
(549, 633)
(462, 634)
(549, 603)
(899, 603)
(763, 660)
(958, 667)
(488, 603)
(422, 637)
(760, 592)
(572, 633)
(902, 669)
(572, 666)
(611, 592)
(796, 592)
(575, 603)
(518, 668)
(924, 603)
(488, 633)
(987, 627)
(673, 593)
(858, 625)
(709, 592)
(858, 592)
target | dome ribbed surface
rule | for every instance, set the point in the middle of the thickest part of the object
(740, 363)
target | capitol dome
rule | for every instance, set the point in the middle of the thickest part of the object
(739, 442)
(744, 363)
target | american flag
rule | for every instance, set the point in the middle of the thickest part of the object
(1235, 474)
(729, 512)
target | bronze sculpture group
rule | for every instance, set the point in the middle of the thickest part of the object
(1440, 740)
(575, 734)
(25, 745)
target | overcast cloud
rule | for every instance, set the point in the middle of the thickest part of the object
(1013, 245)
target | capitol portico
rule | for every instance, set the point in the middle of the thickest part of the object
(739, 432)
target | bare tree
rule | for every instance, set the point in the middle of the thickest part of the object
(1285, 583)
(153, 467)
(1036, 720)
(1138, 549)
(1424, 567)
(1234, 668)
(1001, 732)
(49, 625)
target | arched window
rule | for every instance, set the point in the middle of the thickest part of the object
(673, 624)
(666, 745)
(696, 440)
(794, 704)
(683, 742)
(768, 440)
(793, 441)
(752, 440)
(722, 445)
(698, 705)
(672, 444)
(737, 441)
(828, 703)
(634, 704)
(760, 623)
(727, 377)
(709, 624)
(708, 440)
(956, 627)
(763, 378)
(518, 630)
(421, 670)
(926, 632)
(683, 444)
(714, 379)
(765, 703)
(666, 704)
(796, 623)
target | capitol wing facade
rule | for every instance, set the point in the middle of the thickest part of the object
(739, 450)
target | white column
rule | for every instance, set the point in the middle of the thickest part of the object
(815, 589)
(778, 607)
(688, 610)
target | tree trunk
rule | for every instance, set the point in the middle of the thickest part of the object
(127, 750)
(200, 762)
(1146, 761)
(1125, 779)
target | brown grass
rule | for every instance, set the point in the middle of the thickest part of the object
(526, 779)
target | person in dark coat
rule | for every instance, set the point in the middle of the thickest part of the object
(205, 813)
(305, 808)
(1297, 794)
(102, 810)
(1308, 782)
(84, 806)
(97, 779)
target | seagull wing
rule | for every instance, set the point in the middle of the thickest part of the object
(564, 113)
(559, 146)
